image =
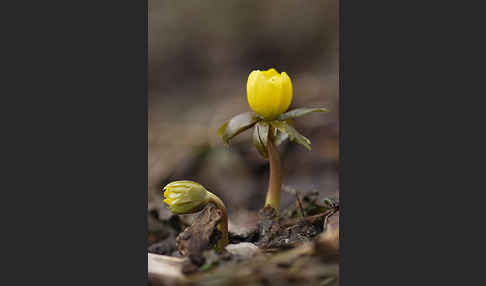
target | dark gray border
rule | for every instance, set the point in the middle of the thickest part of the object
(76, 154)
(406, 178)
(75, 143)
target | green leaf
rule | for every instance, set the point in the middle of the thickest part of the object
(222, 128)
(260, 137)
(280, 137)
(294, 135)
(236, 125)
(294, 113)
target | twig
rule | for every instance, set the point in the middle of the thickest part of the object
(324, 225)
(308, 218)
(302, 212)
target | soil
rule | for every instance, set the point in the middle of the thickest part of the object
(294, 248)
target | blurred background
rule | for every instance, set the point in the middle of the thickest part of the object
(200, 56)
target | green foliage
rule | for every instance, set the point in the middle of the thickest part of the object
(294, 113)
(237, 124)
(294, 135)
(279, 137)
(282, 128)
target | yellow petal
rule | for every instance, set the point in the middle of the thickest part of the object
(269, 93)
(255, 79)
(167, 193)
(270, 96)
(287, 92)
(270, 73)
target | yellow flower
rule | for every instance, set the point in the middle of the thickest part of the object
(185, 197)
(269, 93)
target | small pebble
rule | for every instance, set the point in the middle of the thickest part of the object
(244, 249)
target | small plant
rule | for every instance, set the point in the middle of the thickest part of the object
(269, 95)
(185, 197)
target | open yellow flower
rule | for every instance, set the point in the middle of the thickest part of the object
(269, 93)
(185, 197)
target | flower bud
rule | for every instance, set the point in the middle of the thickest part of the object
(269, 93)
(185, 197)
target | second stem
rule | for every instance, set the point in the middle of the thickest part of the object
(223, 224)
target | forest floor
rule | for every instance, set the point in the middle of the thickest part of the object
(298, 247)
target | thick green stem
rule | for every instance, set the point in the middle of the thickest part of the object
(223, 223)
(275, 182)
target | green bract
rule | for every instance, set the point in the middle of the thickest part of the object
(280, 129)
(260, 137)
(237, 124)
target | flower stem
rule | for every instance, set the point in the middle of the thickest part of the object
(223, 223)
(275, 182)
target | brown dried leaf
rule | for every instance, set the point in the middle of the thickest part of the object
(201, 235)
